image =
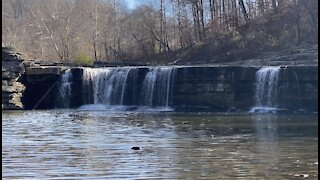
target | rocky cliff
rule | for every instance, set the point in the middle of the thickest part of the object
(12, 88)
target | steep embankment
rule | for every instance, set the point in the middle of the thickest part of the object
(306, 54)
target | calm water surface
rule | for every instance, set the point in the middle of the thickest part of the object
(74, 144)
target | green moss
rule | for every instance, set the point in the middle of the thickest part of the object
(83, 59)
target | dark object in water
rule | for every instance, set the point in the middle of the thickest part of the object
(135, 148)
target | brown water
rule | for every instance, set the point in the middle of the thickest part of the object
(97, 145)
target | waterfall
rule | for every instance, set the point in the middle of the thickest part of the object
(63, 100)
(118, 87)
(148, 87)
(105, 85)
(157, 87)
(266, 89)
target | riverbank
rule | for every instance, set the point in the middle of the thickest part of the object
(306, 54)
(206, 55)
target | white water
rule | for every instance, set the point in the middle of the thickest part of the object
(157, 86)
(106, 85)
(117, 108)
(266, 90)
(103, 107)
(65, 90)
(148, 87)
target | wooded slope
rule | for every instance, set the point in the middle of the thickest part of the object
(157, 31)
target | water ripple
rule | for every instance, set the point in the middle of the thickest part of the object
(97, 145)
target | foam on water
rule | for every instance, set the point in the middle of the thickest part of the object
(153, 109)
(264, 110)
(119, 108)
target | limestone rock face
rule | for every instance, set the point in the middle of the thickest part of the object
(12, 88)
(212, 88)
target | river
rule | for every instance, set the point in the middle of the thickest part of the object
(79, 144)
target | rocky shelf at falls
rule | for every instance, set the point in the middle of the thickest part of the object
(222, 88)
(179, 88)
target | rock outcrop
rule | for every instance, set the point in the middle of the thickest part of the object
(12, 88)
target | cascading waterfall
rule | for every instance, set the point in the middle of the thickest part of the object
(157, 86)
(148, 87)
(105, 85)
(63, 101)
(89, 77)
(266, 89)
(114, 87)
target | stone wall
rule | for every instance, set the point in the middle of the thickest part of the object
(12, 88)
(298, 88)
(216, 88)
(229, 88)
(41, 86)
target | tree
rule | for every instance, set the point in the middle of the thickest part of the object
(107, 30)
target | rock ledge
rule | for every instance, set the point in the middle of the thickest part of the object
(12, 88)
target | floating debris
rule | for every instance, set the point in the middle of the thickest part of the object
(135, 148)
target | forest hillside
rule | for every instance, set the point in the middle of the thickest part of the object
(160, 31)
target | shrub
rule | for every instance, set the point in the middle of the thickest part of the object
(83, 59)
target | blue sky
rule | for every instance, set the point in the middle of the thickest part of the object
(131, 4)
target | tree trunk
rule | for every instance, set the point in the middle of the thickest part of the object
(211, 4)
(274, 5)
(261, 6)
(224, 17)
(235, 14)
(297, 20)
(180, 25)
(195, 29)
(244, 11)
(203, 36)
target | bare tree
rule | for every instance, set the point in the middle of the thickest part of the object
(108, 30)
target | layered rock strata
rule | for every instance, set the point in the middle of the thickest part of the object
(215, 88)
(12, 88)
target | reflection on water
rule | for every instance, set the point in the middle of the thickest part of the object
(267, 143)
(97, 145)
